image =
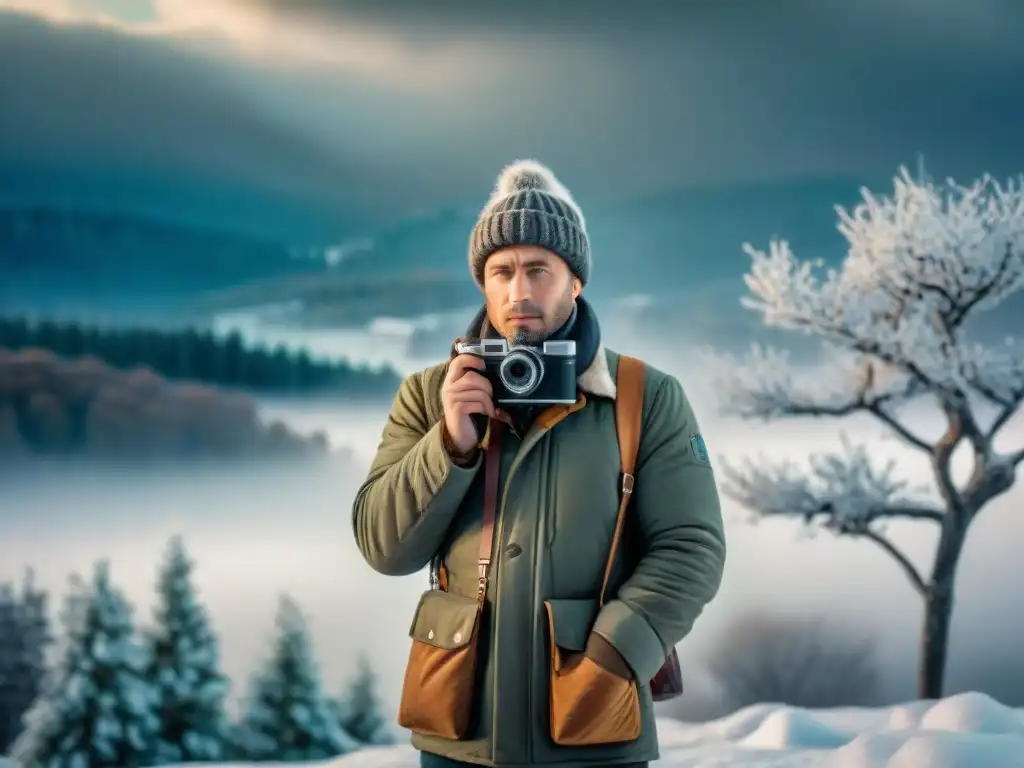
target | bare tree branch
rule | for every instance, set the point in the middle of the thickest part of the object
(906, 512)
(1003, 417)
(959, 423)
(877, 409)
(1016, 458)
(902, 560)
(844, 491)
(763, 386)
(993, 476)
(844, 494)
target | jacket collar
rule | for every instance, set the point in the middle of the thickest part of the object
(597, 379)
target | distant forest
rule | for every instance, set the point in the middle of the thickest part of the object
(201, 356)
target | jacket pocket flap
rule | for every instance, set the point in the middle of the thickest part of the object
(570, 622)
(444, 620)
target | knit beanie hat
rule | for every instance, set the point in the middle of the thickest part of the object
(529, 206)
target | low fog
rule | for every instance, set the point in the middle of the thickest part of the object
(257, 533)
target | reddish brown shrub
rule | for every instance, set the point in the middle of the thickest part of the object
(112, 424)
(47, 423)
(27, 370)
(81, 378)
(143, 382)
(48, 405)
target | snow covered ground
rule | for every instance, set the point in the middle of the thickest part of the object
(968, 730)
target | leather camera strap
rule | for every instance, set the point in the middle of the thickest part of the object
(629, 402)
(492, 469)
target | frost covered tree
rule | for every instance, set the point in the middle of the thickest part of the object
(288, 717)
(24, 639)
(895, 322)
(184, 666)
(359, 711)
(96, 708)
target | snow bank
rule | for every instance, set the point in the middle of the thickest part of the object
(788, 728)
(969, 730)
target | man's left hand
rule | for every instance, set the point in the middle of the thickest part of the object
(603, 653)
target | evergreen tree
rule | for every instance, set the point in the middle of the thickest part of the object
(24, 637)
(287, 717)
(10, 716)
(359, 710)
(184, 666)
(36, 637)
(96, 709)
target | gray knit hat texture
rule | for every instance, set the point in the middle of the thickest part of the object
(530, 206)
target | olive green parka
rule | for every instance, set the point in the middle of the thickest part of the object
(559, 495)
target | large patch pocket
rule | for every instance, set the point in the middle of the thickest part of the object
(438, 693)
(589, 705)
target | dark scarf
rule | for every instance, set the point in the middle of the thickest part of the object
(581, 327)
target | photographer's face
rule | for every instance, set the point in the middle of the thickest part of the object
(530, 292)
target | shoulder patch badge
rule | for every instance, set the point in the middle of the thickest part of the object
(700, 450)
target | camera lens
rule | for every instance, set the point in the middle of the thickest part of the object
(520, 371)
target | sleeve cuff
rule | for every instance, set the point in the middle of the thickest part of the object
(633, 637)
(467, 459)
(439, 457)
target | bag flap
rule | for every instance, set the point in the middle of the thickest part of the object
(570, 622)
(444, 620)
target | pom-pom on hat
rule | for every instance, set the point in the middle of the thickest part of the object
(530, 206)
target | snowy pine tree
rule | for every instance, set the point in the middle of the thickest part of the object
(24, 637)
(184, 666)
(10, 715)
(359, 712)
(287, 717)
(96, 708)
(36, 637)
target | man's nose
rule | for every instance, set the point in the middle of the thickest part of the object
(519, 287)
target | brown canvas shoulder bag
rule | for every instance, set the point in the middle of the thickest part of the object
(439, 689)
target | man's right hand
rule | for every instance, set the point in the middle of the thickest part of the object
(465, 391)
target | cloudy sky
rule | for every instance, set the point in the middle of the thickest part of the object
(379, 109)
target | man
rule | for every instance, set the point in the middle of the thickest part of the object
(555, 508)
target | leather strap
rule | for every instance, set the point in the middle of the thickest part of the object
(492, 468)
(629, 403)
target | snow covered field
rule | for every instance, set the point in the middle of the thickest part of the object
(968, 730)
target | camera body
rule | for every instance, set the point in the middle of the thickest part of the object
(544, 374)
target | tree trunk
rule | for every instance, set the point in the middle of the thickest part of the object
(938, 613)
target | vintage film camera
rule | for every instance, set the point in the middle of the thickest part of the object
(527, 375)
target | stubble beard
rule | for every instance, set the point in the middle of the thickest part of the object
(526, 337)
